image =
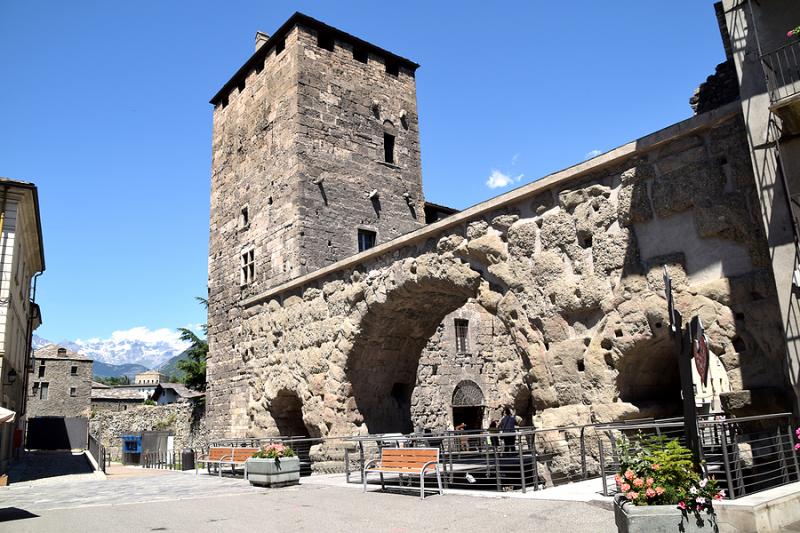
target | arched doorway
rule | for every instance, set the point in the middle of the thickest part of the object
(468, 405)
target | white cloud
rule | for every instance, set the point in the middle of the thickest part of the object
(593, 153)
(498, 179)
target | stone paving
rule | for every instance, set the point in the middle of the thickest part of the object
(180, 501)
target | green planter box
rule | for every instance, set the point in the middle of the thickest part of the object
(658, 519)
(273, 473)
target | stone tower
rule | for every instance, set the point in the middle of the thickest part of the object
(315, 157)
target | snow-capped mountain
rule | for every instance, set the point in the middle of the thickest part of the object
(141, 346)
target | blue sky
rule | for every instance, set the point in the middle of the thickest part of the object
(105, 107)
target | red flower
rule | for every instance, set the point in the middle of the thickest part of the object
(625, 487)
(650, 482)
(638, 482)
(681, 505)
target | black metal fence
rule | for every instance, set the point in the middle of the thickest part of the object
(98, 452)
(745, 454)
(782, 70)
(165, 460)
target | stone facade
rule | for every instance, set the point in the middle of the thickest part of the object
(185, 421)
(562, 277)
(67, 378)
(299, 167)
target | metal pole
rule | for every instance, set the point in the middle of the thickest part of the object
(521, 466)
(602, 462)
(727, 464)
(583, 452)
(497, 471)
(535, 463)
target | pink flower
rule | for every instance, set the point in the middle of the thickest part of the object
(650, 482)
(681, 505)
(659, 490)
(650, 493)
(719, 495)
(790, 33)
(656, 466)
(638, 482)
(797, 446)
(625, 487)
(703, 483)
(618, 478)
(632, 495)
(700, 499)
(629, 474)
(699, 507)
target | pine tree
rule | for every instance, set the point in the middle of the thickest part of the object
(194, 367)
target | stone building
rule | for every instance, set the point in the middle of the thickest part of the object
(334, 310)
(149, 377)
(21, 260)
(61, 384)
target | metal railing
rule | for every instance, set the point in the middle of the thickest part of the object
(745, 454)
(164, 460)
(98, 452)
(782, 70)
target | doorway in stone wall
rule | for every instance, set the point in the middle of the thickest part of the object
(468, 405)
(287, 411)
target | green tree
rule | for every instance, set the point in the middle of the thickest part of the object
(194, 367)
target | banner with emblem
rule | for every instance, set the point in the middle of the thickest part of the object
(700, 349)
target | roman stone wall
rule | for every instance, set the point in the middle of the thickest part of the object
(571, 266)
(187, 423)
(58, 375)
(490, 361)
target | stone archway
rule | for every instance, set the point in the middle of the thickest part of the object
(468, 405)
(286, 410)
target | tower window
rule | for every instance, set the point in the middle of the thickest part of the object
(44, 390)
(392, 68)
(41, 371)
(359, 54)
(244, 217)
(366, 239)
(73, 370)
(325, 41)
(248, 267)
(35, 389)
(280, 46)
(388, 147)
(73, 392)
(462, 331)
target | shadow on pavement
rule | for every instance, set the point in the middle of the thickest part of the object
(44, 464)
(9, 514)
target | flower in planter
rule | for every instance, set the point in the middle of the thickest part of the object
(793, 32)
(274, 451)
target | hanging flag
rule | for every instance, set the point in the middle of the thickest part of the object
(670, 301)
(700, 349)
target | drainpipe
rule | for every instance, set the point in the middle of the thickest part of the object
(29, 343)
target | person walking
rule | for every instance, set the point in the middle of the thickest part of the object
(507, 425)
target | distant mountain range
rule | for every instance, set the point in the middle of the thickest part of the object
(117, 358)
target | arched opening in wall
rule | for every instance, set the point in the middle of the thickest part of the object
(382, 365)
(648, 376)
(287, 411)
(468, 405)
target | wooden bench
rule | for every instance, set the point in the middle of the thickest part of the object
(405, 461)
(226, 455)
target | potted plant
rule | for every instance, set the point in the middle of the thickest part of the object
(274, 465)
(661, 489)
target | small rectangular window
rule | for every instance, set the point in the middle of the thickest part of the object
(359, 54)
(73, 392)
(462, 332)
(366, 239)
(325, 41)
(73, 370)
(392, 68)
(35, 389)
(248, 267)
(280, 46)
(41, 371)
(244, 218)
(44, 390)
(388, 147)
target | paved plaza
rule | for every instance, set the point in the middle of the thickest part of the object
(133, 499)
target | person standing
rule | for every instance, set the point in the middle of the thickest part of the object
(507, 425)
